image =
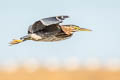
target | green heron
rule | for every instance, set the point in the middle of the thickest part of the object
(49, 29)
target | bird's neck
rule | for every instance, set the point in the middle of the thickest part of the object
(67, 30)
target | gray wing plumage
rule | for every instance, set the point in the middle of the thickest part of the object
(46, 22)
(53, 20)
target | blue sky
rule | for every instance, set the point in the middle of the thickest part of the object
(102, 16)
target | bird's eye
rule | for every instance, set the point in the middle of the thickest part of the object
(76, 28)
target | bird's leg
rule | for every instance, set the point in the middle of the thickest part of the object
(16, 41)
(24, 38)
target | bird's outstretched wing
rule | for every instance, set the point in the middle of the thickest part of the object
(53, 20)
(46, 22)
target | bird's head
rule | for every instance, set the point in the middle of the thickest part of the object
(69, 29)
(77, 28)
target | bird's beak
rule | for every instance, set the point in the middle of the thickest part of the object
(15, 42)
(84, 29)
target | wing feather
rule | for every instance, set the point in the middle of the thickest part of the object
(46, 22)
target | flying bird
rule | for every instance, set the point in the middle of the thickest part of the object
(48, 30)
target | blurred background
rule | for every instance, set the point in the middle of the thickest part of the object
(85, 54)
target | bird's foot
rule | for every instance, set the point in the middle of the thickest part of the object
(15, 41)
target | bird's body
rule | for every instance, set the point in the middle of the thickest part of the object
(49, 29)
